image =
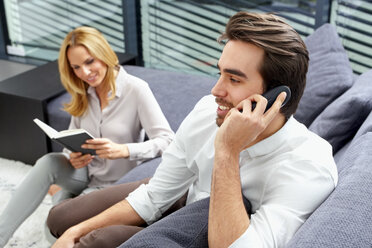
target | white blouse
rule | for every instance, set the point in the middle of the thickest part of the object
(132, 112)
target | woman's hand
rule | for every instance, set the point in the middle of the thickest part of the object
(78, 160)
(105, 148)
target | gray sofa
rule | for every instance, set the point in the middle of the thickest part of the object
(336, 105)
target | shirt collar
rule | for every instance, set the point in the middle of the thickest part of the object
(120, 82)
(271, 143)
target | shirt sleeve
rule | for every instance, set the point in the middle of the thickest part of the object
(170, 182)
(156, 127)
(289, 199)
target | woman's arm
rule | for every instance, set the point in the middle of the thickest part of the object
(152, 120)
(155, 125)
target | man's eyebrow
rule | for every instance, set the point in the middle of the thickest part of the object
(236, 72)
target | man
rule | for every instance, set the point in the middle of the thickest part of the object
(284, 170)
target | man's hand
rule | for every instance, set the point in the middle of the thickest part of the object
(237, 132)
(105, 148)
(78, 160)
(67, 240)
(122, 213)
(241, 129)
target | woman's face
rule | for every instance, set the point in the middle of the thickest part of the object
(85, 66)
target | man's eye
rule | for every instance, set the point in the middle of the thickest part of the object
(234, 80)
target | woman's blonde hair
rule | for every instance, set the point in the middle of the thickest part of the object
(99, 48)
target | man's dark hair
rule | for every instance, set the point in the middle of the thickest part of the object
(285, 59)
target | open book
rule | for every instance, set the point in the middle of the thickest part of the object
(71, 139)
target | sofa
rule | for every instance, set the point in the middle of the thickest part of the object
(336, 105)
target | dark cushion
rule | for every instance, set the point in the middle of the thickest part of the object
(345, 218)
(329, 73)
(340, 121)
(176, 92)
(187, 227)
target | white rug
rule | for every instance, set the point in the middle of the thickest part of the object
(31, 232)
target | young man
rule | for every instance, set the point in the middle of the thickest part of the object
(284, 170)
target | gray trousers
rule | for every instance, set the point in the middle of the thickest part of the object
(52, 168)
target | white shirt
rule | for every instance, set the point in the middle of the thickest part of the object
(133, 109)
(285, 176)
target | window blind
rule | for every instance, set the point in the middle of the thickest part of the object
(39, 26)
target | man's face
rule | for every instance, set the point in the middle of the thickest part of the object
(240, 78)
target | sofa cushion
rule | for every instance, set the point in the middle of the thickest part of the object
(144, 170)
(187, 227)
(364, 128)
(329, 73)
(345, 218)
(176, 92)
(340, 121)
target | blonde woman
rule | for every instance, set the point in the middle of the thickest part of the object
(110, 104)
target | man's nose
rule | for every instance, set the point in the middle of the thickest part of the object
(219, 89)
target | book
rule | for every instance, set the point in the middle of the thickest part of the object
(71, 139)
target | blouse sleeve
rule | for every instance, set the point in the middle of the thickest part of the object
(156, 127)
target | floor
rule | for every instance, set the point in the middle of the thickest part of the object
(10, 68)
(32, 232)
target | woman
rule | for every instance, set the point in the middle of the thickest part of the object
(111, 105)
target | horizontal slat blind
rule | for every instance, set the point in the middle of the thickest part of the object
(354, 25)
(41, 25)
(181, 35)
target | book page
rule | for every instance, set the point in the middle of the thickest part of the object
(51, 132)
(71, 132)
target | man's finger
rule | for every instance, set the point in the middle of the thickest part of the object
(275, 108)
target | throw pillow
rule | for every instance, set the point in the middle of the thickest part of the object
(364, 128)
(187, 227)
(340, 121)
(345, 218)
(329, 74)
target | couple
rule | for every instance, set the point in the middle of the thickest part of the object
(251, 178)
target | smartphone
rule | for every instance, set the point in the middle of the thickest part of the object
(272, 94)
